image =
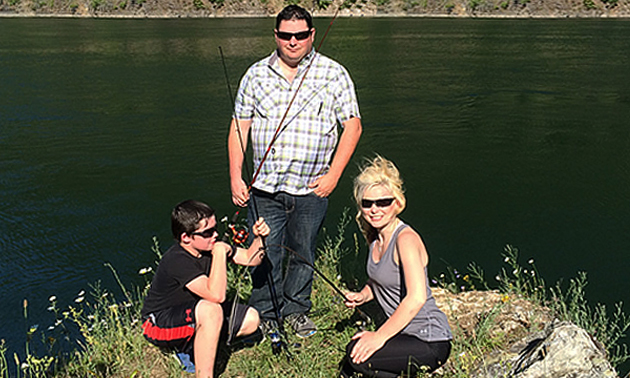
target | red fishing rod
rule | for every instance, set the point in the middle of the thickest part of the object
(284, 116)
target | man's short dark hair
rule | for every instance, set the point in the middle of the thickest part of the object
(186, 216)
(294, 12)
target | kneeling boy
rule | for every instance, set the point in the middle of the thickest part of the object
(185, 308)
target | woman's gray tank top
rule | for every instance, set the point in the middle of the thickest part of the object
(388, 285)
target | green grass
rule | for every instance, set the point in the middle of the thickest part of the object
(108, 333)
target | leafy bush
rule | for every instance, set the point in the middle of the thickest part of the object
(589, 4)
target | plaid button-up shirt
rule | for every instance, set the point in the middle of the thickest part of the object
(306, 142)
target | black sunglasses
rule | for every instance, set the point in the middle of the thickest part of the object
(381, 202)
(299, 35)
(206, 233)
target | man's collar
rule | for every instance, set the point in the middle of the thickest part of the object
(307, 59)
(274, 57)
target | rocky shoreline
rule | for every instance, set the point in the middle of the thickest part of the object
(319, 8)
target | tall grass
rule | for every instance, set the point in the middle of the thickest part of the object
(569, 304)
(104, 336)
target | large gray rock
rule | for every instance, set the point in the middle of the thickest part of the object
(533, 345)
(562, 350)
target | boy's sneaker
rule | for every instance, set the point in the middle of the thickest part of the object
(185, 361)
(302, 325)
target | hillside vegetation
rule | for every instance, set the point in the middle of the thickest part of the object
(498, 332)
(319, 8)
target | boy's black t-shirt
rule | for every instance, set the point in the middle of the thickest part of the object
(176, 269)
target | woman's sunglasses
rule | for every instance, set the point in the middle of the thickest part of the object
(381, 202)
(206, 233)
(299, 35)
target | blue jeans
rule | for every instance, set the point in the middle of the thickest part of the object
(294, 222)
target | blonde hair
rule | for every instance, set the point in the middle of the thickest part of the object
(375, 172)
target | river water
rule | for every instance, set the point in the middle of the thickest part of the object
(506, 132)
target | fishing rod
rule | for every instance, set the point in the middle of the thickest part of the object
(361, 314)
(277, 343)
(238, 236)
(235, 236)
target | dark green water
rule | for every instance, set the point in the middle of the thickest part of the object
(506, 131)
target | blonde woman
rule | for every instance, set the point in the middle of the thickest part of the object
(415, 335)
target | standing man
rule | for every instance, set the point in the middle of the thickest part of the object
(302, 167)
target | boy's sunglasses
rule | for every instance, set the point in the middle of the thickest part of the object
(300, 36)
(381, 202)
(206, 233)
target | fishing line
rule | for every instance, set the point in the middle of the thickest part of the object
(227, 238)
(238, 129)
(236, 297)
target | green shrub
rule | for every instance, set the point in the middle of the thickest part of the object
(94, 4)
(322, 4)
(474, 4)
(589, 4)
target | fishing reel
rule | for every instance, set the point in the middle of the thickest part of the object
(239, 235)
(235, 234)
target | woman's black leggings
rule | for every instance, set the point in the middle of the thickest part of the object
(402, 355)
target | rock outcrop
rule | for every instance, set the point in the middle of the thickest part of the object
(537, 345)
(561, 350)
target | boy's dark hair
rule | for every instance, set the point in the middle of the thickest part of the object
(186, 216)
(294, 12)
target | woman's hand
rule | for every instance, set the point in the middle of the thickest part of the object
(354, 299)
(369, 342)
(261, 228)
